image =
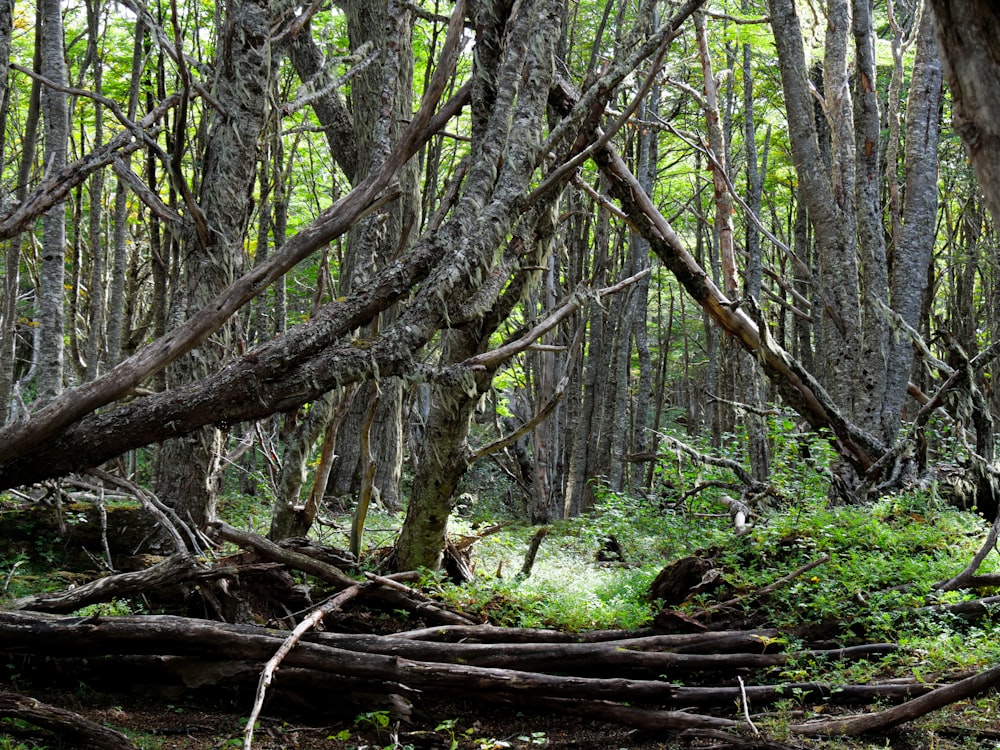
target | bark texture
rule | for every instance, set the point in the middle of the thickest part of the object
(55, 113)
(188, 472)
(969, 34)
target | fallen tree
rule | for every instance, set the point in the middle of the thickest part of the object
(201, 654)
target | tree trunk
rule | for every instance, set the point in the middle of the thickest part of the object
(829, 205)
(912, 256)
(528, 51)
(969, 34)
(754, 388)
(55, 113)
(188, 477)
(94, 352)
(118, 325)
(381, 104)
(12, 257)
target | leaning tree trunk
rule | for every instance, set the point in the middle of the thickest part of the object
(512, 119)
(188, 473)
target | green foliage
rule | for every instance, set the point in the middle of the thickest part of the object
(884, 557)
(114, 608)
(10, 743)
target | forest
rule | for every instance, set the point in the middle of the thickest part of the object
(499, 374)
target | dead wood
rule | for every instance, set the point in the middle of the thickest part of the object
(962, 579)
(647, 719)
(271, 551)
(55, 636)
(683, 578)
(390, 593)
(984, 581)
(201, 652)
(795, 384)
(415, 601)
(388, 658)
(338, 558)
(267, 674)
(770, 588)
(972, 610)
(822, 691)
(533, 545)
(913, 709)
(178, 568)
(487, 633)
(732, 740)
(168, 521)
(80, 732)
(617, 657)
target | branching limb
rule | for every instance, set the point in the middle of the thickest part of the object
(165, 516)
(703, 458)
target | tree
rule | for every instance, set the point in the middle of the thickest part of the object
(968, 33)
(55, 114)
(213, 250)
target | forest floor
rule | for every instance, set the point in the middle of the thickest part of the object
(877, 564)
(187, 725)
(192, 726)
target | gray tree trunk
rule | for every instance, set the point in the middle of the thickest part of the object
(828, 204)
(50, 294)
(578, 493)
(870, 393)
(188, 473)
(912, 256)
(381, 104)
(12, 257)
(94, 352)
(522, 71)
(117, 327)
(759, 451)
(969, 34)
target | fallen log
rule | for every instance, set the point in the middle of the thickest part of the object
(975, 609)
(905, 712)
(267, 675)
(77, 730)
(395, 596)
(828, 692)
(202, 652)
(168, 635)
(178, 568)
(647, 719)
(165, 634)
(487, 633)
(271, 551)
